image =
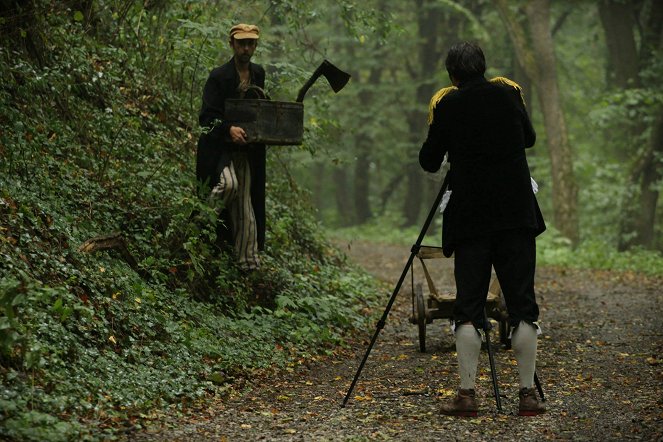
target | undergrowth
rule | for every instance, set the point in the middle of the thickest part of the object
(93, 144)
(593, 253)
(552, 248)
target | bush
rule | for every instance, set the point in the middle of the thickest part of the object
(89, 342)
(555, 250)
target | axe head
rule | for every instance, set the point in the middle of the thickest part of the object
(337, 78)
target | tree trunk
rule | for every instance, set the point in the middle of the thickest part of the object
(651, 174)
(362, 183)
(428, 19)
(521, 45)
(651, 38)
(618, 22)
(537, 58)
(652, 42)
(317, 188)
(412, 202)
(364, 144)
(565, 190)
(638, 222)
(639, 205)
(343, 201)
(524, 81)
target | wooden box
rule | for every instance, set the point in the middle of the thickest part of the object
(266, 121)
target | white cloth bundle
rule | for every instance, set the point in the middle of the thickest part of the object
(445, 200)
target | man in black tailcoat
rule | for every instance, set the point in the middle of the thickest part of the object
(230, 171)
(492, 216)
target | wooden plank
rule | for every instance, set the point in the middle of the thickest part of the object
(428, 252)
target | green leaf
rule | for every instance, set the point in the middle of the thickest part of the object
(57, 306)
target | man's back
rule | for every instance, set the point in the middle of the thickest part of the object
(484, 128)
(483, 122)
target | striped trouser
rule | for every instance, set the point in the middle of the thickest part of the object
(234, 192)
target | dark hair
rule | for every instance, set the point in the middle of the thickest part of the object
(465, 60)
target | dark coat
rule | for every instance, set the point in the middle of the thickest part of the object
(484, 128)
(215, 148)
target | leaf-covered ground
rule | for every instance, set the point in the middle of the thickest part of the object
(599, 362)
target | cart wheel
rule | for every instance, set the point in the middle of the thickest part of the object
(505, 330)
(421, 316)
(504, 327)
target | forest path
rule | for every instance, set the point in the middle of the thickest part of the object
(599, 363)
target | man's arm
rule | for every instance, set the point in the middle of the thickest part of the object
(213, 108)
(213, 111)
(432, 153)
(237, 135)
(433, 150)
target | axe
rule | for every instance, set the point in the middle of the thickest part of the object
(337, 79)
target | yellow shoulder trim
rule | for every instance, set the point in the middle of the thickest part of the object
(436, 99)
(513, 84)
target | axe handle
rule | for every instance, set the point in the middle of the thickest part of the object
(308, 84)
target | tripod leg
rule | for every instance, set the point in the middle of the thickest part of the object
(538, 387)
(383, 319)
(491, 359)
(380, 326)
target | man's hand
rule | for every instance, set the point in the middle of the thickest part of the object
(237, 135)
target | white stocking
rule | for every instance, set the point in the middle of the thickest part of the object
(523, 342)
(468, 346)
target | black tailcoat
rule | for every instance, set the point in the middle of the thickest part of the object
(215, 147)
(484, 128)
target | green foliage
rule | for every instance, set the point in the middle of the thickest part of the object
(98, 112)
(608, 129)
(382, 230)
(554, 250)
(97, 138)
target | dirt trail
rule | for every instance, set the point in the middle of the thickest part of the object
(599, 362)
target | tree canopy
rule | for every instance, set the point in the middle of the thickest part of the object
(113, 300)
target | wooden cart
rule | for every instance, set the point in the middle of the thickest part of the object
(435, 305)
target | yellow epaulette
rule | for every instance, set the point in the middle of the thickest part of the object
(436, 99)
(513, 84)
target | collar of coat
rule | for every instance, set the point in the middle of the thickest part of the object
(231, 72)
(437, 97)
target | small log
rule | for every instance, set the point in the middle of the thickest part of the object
(428, 252)
(114, 241)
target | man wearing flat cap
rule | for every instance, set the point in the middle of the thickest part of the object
(231, 171)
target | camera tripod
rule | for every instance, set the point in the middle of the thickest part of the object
(381, 323)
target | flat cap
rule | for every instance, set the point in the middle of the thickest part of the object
(242, 31)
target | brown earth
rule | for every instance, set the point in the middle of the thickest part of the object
(599, 362)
